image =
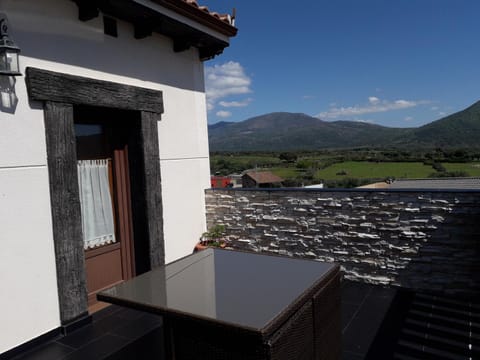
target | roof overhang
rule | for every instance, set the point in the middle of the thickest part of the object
(184, 23)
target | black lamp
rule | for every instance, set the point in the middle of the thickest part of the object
(8, 51)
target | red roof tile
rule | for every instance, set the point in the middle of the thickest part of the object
(225, 23)
(227, 18)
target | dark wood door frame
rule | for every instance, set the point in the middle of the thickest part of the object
(123, 211)
(60, 93)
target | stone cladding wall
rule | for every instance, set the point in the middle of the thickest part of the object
(425, 240)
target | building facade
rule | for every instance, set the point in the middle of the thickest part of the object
(131, 74)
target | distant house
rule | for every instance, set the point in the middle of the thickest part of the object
(261, 179)
(236, 180)
(221, 182)
(314, 186)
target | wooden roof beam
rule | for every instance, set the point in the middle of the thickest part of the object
(142, 30)
(87, 9)
(180, 45)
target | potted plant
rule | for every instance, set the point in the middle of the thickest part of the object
(212, 238)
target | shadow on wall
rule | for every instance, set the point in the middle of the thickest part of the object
(427, 241)
(67, 40)
(117, 60)
(448, 259)
(8, 97)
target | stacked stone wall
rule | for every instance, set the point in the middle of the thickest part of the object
(425, 240)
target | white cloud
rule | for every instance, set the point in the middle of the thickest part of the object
(408, 118)
(223, 114)
(374, 105)
(366, 121)
(225, 80)
(228, 104)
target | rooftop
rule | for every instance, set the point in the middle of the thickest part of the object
(264, 177)
(471, 183)
(227, 18)
(224, 23)
(437, 183)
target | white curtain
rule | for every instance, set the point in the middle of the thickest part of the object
(96, 203)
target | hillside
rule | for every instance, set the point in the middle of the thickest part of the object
(461, 129)
(289, 131)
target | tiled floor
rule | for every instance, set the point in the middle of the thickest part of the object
(363, 310)
(115, 333)
(118, 334)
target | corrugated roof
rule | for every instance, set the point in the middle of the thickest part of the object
(264, 177)
(437, 183)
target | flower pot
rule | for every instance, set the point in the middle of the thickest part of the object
(202, 245)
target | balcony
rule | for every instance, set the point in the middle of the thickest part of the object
(410, 262)
(378, 322)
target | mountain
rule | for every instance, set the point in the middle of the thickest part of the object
(461, 129)
(293, 131)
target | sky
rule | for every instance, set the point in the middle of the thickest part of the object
(397, 63)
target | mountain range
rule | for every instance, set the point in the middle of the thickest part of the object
(282, 131)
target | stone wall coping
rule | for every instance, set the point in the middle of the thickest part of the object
(354, 190)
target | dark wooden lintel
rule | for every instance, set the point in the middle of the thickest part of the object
(46, 85)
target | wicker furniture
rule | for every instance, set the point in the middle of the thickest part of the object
(220, 304)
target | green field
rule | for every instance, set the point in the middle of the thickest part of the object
(228, 164)
(286, 172)
(308, 168)
(374, 170)
(473, 169)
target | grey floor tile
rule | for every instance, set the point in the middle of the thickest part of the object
(50, 351)
(99, 349)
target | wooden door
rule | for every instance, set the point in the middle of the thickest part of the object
(98, 138)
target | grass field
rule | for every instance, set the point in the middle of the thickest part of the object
(362, 170)
(373, 170)
(304, 167)
(286, 172)
(473, 169)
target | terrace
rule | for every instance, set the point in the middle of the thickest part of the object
(120, 333)
(377, 323)
(410, 263)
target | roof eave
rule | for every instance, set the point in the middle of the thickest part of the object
(147, 20)
(197, 14)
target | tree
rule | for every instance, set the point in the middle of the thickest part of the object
(288, 157)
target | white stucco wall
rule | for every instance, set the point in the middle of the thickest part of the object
(51, 37)
(27, 261)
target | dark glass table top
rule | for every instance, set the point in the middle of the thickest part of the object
(244, 289)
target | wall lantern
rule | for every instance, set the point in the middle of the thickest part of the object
(8, 51)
